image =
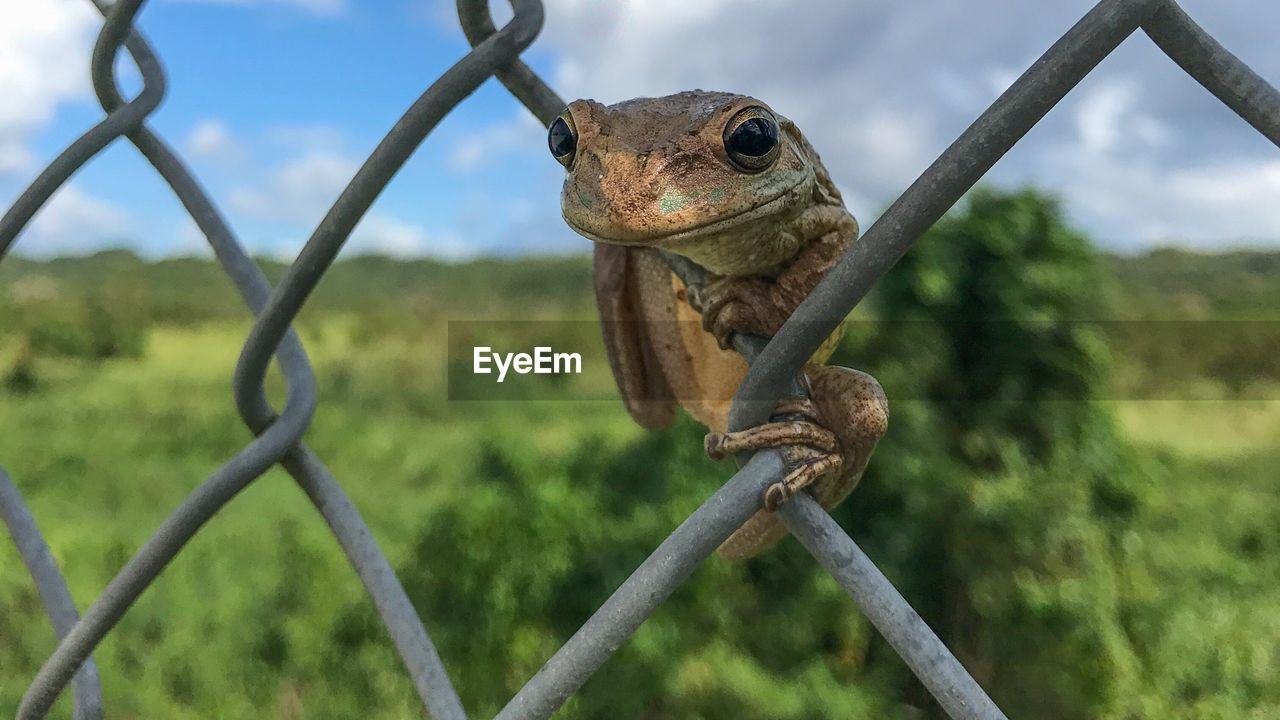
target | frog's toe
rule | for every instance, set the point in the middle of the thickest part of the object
(770, 435)
(810, 450)
(805, 473)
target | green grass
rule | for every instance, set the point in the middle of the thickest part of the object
(1203, 429)
(104, 453)
(260, 616)
(1079, 572)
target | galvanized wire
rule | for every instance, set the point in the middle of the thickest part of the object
(774, 363)
(58, 604)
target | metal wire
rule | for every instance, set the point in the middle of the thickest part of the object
(53, 590)
(774, 363)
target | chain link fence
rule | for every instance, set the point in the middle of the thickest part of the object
(774, 363)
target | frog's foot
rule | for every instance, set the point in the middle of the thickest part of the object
(740, 305)
(852, 405)
(809, 449)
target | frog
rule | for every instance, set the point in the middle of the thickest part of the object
(723, 180)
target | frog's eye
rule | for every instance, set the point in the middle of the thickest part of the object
(752, 140)
(562, 138)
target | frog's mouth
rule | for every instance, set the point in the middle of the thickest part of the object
(711, 226)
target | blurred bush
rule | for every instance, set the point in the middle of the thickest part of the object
(103, 319)
(1000, 498)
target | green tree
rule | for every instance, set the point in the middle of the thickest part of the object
(1001, 491)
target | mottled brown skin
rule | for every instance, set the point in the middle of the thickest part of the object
(653, 174)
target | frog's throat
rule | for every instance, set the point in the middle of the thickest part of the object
(717, 225)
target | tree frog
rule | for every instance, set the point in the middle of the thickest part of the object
(725, 181)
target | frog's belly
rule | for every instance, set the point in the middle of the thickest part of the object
(716, 373)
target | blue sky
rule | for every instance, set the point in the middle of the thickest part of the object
(275, 102)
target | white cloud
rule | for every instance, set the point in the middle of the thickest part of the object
(300, 191)
(44, 57)
(1238, 200)
(1132, 199)
(889, 145)
(479, 148)
(319, 8)
(1131, 182)
(380, 233)
(384, 234)
(188, 240)
(14, 158)
(211, 139)
(1099, 116)
(1108, 115)
(999, 79)
(75, 222)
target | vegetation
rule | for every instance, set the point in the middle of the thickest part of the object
(1087, 554)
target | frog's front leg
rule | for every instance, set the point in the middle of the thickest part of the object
(759, 305)
(749, 305)
(826, 444)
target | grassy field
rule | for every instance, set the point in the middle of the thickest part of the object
(106, 451)
(251, 618)
(1084, 556)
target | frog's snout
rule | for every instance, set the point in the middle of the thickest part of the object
(639, 198)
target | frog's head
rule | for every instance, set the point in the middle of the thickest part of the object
(659, 171)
